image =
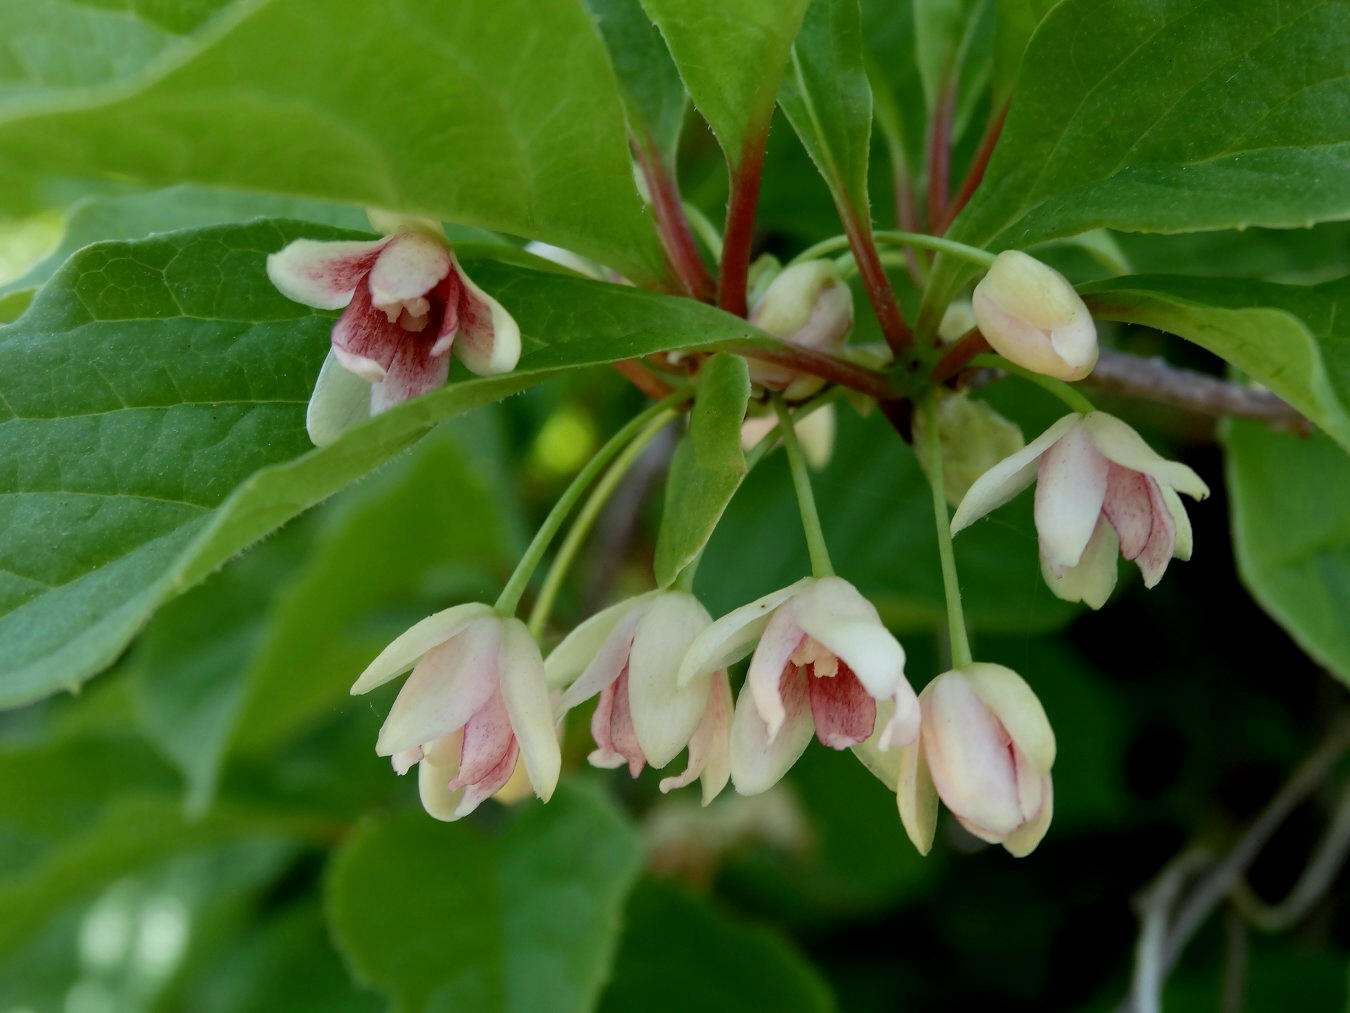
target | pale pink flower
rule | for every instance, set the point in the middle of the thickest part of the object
(806, 305)
(408, 304)
(629, 654)
(475, 703)
(985, 748)
(1099, 487)
(822, 660)
(1030, 314)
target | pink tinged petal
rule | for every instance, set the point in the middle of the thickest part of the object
(1122, 445)
(969, 756)
(1128, 508)
(525, 695)
(710, 745)
(1181, 523)
(448, 686)
(415, 641)
(434, 774)
(916, 797)
(413, 372)
(490, 783)
(408, 267)
(341, 399)
(664, 713)
(1157, 553)
(769, 668)
(322, 274)
(758, 762)
(612, 728)
(835, 615)
(365, 341)
(1022, 841)
(1009, 477)
(1017, 708)
(844, 713)
(609, 661)
(1093, 579)
(447, 294)
(489, 338)
(578, 649)
(403, 761)
(1070, 490)
(487, 739)
(732, 637)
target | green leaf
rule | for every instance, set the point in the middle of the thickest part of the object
(153, 402)
(707, 467)
(828, 101)
(731, 55)
(501, 114)
(1295, 339)
(1014, 23)
(1291, 532)
(446, 916)
(653, 94)
(680, 954)
(1245, 127)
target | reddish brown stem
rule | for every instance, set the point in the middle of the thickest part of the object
(676, 236)
(940, 152)
(740, 224)
(804, 360)
(958, 355)
(907, 216)
(975, 173)
(893, 326)
(642, 378)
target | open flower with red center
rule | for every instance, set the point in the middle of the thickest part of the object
(822, 659)
(1099, 488)
(408, 304)
(985, 748)
(629, 654)
(475, 703)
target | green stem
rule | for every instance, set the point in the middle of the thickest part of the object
(971, 253)
(801, 481)
(706, 230)
(581, 527)
(520, 579)
(956, 619)
(1059, 388)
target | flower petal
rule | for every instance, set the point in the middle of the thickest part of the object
(1016, 707)
(1022, 841)
(1009, 477)
(320, 273)
(492, 781)
(883, 762)
(843, 711)
(1128, 509)
(757, 763)
(1070, 489)
(414, 371)
(664, 713)
(916, 797)
(612, 728)
(710, 745)
(766, 676)
(403, 652)
(730, 638)
(409, 266)
(364, 340)
(1181, 523)
(608, 662)
(341, 399)
(576, 650)
(449, 685)
(487, 739)
(1157, 553)
(1093, 579)
(434, 774)
(835, 615)
(1121, 444)
(526, 697)
(489, 338)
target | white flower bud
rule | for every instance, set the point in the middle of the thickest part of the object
(806, 305)
(1030, 314)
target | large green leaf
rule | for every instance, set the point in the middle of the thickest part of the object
(501, 114)
(1291, 531)
(448, 917)
(153, 402)
(707, 467)
(828, 101)
(1014, 23)
(1295, 339)
(731, 54)
(1169, 116)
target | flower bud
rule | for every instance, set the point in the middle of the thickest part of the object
(806, 305)
(985, 748)
(972, 437)
(1030, 314)
(956, 321)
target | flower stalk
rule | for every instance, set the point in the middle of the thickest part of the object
(801, 481)
(956, 619)
(1058, 388)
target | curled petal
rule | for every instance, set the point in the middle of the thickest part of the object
(758, 762)
(842, 710)
(415, 641)
(609, 660)
(612, 728)
(1009, 477)
(898, 724)
(732, 637)
(526, 698)
(664, 713)
(434, 774)
(1070, 490)
(491, 783)
(489, 338)
(1119, 443)
(833, 613)
(710, 745)
(1181, 524)
(570, 658)
(341, 399)
(765, 679)
(322, 274)
(408, 267)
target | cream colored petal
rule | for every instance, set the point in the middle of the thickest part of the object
(757, 764)
(710, 745)
(607, 663)
(1022, 841)
(414, 642)
(665, 714)
(408, 267)
(341, 399)
(764, 678)
(1070, 491)
(1121, 444)
(732, 637)
(916, 797)
(883, 763)
(434, 774)
(1009, 477)
(525, 694)
(576, 650)
(1180, 521)
(322, 273)
(1017, 708)
(1094, 578)
(491, 346)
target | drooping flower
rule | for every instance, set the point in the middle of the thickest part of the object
(629, 654)
(985, 748)
(1099, 488)
(476, 701)
(408, 304)
(809, 305)
(1030, 314)
(822, 662)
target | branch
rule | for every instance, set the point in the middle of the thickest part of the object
(878, 286)
(740, 225)
(940, 153)
(804, 360)
(676, 236)
(1198, 392)
(976, 171)
(642, 378)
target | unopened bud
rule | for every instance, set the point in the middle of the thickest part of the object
(1030, 314)
(972, 438)
(956, 321)
(806, 305)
